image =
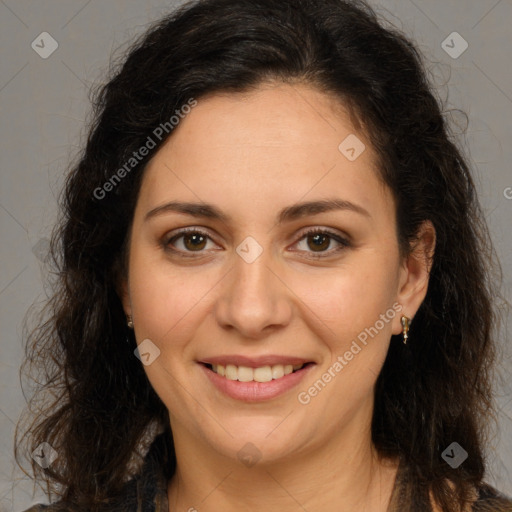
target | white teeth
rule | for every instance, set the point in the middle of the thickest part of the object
(277, 371)
(245, 374)
(231, 372)
(261, 374)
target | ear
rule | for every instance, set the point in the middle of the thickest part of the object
(415, 273)
(122, 289)
(122, 286)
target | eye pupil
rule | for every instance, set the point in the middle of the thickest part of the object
(317, 241)
(196, 240)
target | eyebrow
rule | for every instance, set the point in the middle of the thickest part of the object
(288, 214)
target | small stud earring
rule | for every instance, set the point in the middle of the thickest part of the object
(405, 328)
(129, 322)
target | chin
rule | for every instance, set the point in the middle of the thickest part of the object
(267, 439)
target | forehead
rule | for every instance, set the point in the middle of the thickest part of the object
(273, 145)
(272, 116)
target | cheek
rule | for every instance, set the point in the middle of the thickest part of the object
(167, 300)
(168, 303)
(351, 298)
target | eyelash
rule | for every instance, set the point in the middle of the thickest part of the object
(344, 243)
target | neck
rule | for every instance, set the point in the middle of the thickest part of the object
(342, 475)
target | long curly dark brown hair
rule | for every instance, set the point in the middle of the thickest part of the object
(94, 404)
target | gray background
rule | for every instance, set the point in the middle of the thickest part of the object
(44, 106)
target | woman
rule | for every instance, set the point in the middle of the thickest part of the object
(274, 287)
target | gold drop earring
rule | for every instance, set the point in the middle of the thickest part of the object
(405, 328)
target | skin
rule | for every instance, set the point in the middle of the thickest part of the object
(251, 155)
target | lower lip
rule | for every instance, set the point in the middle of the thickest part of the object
(256, 391)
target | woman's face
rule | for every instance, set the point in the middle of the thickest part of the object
(247, 292)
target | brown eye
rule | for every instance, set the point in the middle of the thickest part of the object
(318, 242)
(194, 241)
(191, 240)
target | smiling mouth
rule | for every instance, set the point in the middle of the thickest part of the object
(261, 374)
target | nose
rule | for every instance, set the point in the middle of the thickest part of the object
(254, 299)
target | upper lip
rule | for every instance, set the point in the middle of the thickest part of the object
(254, 362)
